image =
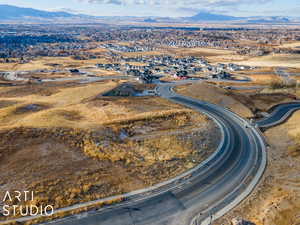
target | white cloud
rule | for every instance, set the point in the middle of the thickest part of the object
(179, 8)
(64, 9)
(180, 3)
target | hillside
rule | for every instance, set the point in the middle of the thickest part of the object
(8, 12)
(19, 14)
(206, 16)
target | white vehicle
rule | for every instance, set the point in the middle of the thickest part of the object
(246, 125)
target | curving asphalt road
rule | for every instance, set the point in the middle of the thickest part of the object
(248, 148)
(279, 114)
(202, 194)
(206, 192)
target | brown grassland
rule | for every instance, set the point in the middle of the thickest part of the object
(76, 145)
(48, 62)
(249, 103)
(294, 44)
(276, 60)
(210, 93)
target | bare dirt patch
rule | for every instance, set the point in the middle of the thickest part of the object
(69, 115)
(30, 108)
(124, 90)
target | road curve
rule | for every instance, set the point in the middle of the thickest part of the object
(206, 192)
(279, 114)
(211, 190)
(248, 147)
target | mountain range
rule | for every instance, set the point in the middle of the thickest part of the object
(206, 16)
(8, 12)
(19, 14)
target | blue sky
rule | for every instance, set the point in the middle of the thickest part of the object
(166, 7)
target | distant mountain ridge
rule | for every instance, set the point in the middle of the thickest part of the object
(8, 12)
(19, 14)
(272, 19)
(206, 16)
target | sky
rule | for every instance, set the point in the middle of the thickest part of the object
(168, 8)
